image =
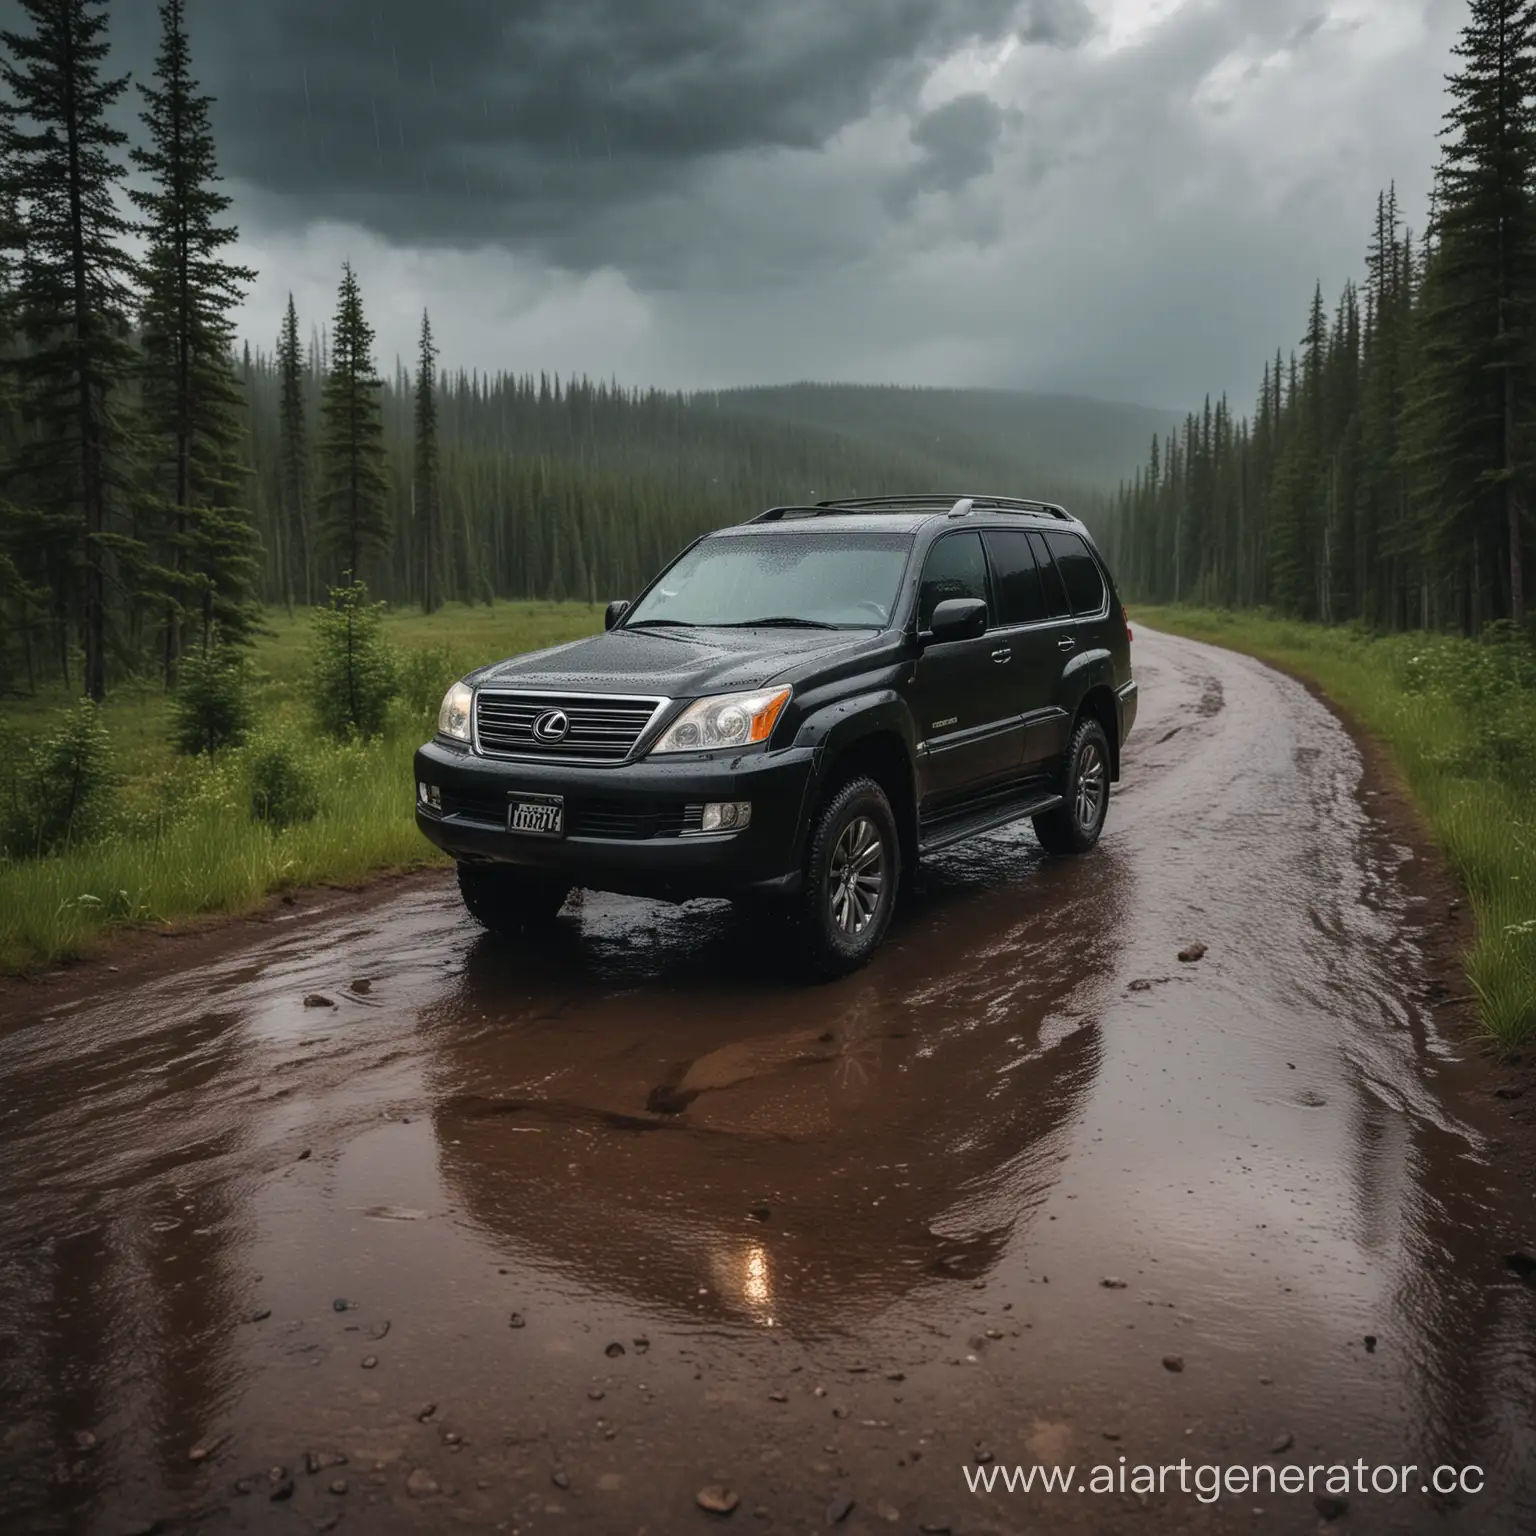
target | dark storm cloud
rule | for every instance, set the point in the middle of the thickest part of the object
(1056, 23)
(957, 142)
(460, 120)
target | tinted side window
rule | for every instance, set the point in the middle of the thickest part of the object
(1056, 602)
(1080, 571)
(955, 568)
(1020, 598)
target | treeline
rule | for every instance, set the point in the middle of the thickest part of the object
(1386, 473)
(157, 488)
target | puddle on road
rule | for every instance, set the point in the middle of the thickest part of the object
(905, 1189)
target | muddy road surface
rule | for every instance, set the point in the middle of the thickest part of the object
(555, 1237)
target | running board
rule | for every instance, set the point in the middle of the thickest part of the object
(956, 828)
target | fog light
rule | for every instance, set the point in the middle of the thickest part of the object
(430, 796)
(726, 815)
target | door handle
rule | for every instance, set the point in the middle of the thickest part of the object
(1066, 643)
(1002, 655)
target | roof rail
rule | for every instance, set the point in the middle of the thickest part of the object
(957, 504)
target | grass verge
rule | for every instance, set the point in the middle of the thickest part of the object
(182, 840)
(1459, 720)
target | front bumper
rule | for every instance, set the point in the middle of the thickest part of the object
(647, 797)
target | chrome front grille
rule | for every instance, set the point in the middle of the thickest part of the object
(599, 728)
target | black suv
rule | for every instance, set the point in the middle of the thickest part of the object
(798, 707)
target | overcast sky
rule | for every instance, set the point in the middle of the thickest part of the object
(1123, 198)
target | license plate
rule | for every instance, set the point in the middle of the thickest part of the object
(540, 815)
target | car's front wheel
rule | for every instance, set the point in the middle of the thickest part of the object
(1074, 826)
(507, 899)
(853, 868)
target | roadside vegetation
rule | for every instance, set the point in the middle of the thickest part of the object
(288, 765)
(1459, 717)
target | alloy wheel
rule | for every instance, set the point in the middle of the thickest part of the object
(857, 876)
(1089, 799)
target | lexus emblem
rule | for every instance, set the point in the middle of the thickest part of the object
(551, 726)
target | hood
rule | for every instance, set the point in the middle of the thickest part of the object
(679, 663)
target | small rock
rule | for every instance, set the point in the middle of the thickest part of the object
(198, 1453)
(1141, 984)
(560, 1478)
(242, 1485)
(362, 986)
(318, 1000)
(1174, 1363)
(595, 1393)
(453, 1437)
(1509, 1093)
(1110, 1434)
(1522, 1261)
(641, 1344)
(425, 1412)
(282, 1491)
(614, 1350)
(1330, 1505)
(1370, 1343)
(1283, 1443)
(305, 1155)
(760, 1213)
(338, 1486)
(340, 1304)
(839, 1413)
(1112, 1283)
(984, 1458)
(421, 1484)
(717, 1499)
(260, 1315)
(84, 1440)
(887, 1512)
(329, 1523)
(517, 1320)
(778, 1397)
(839, 1510)
(895, 1375)
(369, 1362)
(1191, 953)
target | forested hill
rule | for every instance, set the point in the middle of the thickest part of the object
(999, 439)
(551, 488)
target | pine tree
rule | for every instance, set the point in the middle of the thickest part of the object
(354, 486)
(191, 400)
(74, 293)
(293, 462)
(425, 491)
(1475, 398)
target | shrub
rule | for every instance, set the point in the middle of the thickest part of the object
(283, 789)
(425, 674)
(352, 667)
(212, 703)
(60, 788)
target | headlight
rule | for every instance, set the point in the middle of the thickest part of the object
(453, 717)
(727, 720)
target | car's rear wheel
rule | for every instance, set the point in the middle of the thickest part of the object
(507, 899)
(853, 869)
(1074, 826)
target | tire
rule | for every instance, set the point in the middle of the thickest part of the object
(1075, 825)
(852, 872)
(508, 900)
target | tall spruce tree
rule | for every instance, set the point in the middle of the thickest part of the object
(1474, 401)
(354, 514)
(191, 399)
(293, 463)
(426, 498)
(73, 296)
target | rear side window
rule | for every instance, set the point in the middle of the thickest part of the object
(1057, 605)
(1080, 571)
(956, 568)
(1015, 577)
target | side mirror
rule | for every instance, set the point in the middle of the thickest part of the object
(958, 618)
(615, 611)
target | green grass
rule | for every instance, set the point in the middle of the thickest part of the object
(1459, 720)
(183, 842)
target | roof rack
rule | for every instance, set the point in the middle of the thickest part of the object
(954, 505)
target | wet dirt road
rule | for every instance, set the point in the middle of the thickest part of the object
(638, 1215)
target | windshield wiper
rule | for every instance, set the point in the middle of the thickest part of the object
(778, 621)
(661, 624)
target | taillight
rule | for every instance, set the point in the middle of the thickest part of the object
(1127, 620)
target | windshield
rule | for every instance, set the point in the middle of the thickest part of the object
(815, 580)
